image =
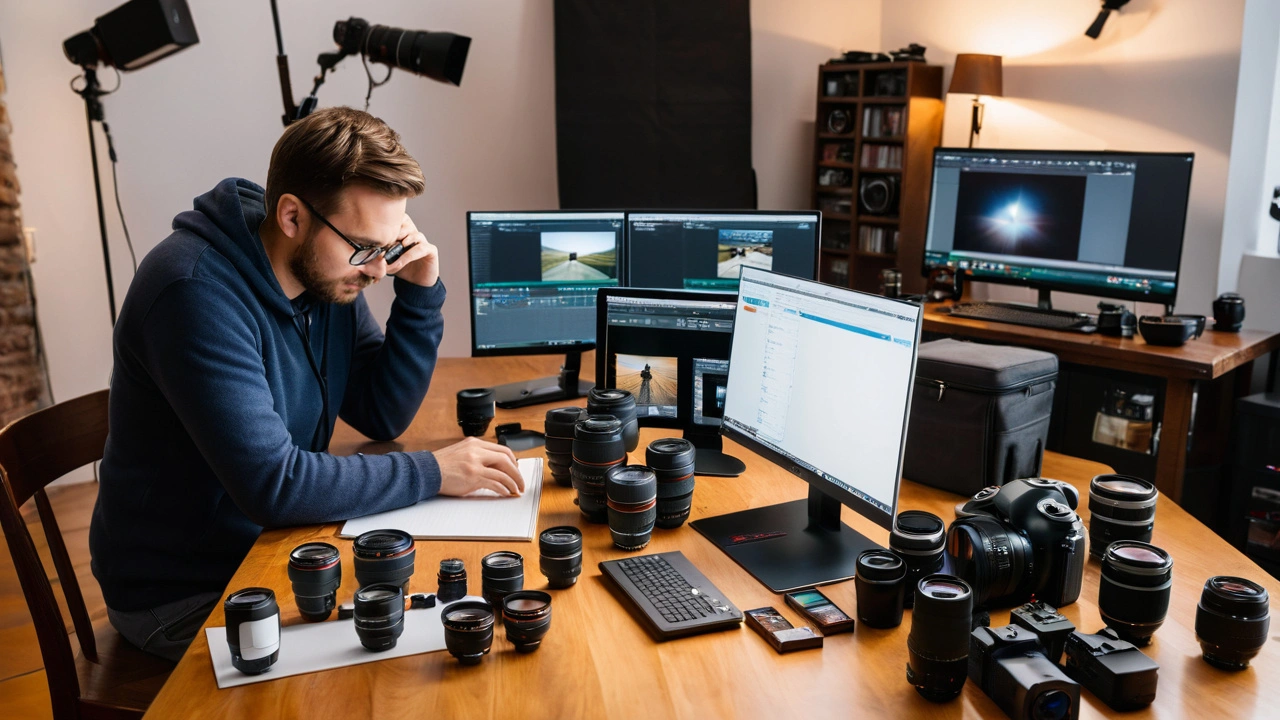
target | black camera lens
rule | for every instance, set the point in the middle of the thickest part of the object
(1133, 594)
(253, 629)
(880, 582)
(379, 616)
(501, 572)
(1232, 621)
(475, 410)
(1122, 507)
(938, 645)
(468, 630)
(1051, 705)
(597, 446)
(994, 559)
(527, 617)
(622, 405)
(452, 578)
(918, 537)
(384, 556)
(632, 492)
(672, 462)
(315, 570)
(560, 555)
(559, 441)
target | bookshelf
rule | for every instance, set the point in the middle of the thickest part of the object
(875, 130)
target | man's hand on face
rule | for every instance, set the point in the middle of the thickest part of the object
(474, 464)
(420, 263)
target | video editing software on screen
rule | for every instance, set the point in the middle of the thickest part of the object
(704, 251)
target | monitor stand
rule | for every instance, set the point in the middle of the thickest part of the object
(1044, 299)
(566, 386)
(709, 456)
(792, 545)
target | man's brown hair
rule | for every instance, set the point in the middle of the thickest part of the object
(330, 148)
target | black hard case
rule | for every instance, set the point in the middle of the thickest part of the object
(979, 415)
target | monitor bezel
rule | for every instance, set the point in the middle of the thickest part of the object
(862, 507)
(563, 349)
(602, 359)
(1092, 291)
(817, 244)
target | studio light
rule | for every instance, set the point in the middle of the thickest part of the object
(1107, 6)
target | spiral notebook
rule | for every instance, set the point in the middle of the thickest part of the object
(483, 515)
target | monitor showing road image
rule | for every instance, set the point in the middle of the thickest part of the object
(752, 248)
(707, 250)
(652, 380)
(577, 256)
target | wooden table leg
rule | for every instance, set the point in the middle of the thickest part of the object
(1171, 458)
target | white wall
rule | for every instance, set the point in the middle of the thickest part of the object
(1161, 77)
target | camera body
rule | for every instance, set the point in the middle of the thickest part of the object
(1114, 670)
(1020, 540)
(1010, 666)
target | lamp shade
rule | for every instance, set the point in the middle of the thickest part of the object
(977, 75)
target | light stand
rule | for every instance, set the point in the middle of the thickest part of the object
(92, 94)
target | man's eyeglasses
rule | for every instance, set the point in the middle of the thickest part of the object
(363, 253)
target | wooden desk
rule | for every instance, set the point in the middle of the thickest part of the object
(598, 661)
(1214, 355)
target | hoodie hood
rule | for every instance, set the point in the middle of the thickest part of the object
(228, 218)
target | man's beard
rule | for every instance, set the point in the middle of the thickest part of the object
(305, 265)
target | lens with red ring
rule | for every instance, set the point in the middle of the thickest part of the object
(315, 570)
(384, 556)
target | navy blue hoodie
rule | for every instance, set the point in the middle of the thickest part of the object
(218, 422)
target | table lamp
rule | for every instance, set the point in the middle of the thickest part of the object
(977, 75)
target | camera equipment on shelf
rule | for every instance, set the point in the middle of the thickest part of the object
(878, 194)
(379, 616)
(1232, 621)
(475, 411)
(253, 629)
(1051, 626)
(315, 570)
(526, 615)
(1134, 592)
(1121, 507)
(839, 122)
(1228, 312)
(1010, 666)
(938, 645)
(1020, 540)
(911, 53)
(468, 630)
(1118, 673)
(861, 56)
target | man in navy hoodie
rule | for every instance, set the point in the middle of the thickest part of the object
(243, 338)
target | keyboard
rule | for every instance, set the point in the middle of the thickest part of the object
(1025, 315)
(669, 595)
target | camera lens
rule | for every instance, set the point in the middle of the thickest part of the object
(501, 572)
(880, 582)
(384, 556)
(452, 578)
(1122, 507)
(1051, 705)
(1232, 621)
(560, 555)
(379, 616)
(918, 537)
(527, 617)
(991, 556)
(475, 410)
(1133, 594)
(315, 570)
(597, 446)
(559, 434)
(632, 492)
(938, 645)
(468, 630)
(253, 629)
(672, 462)
(622, 405)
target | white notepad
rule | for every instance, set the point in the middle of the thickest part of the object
(483, 515)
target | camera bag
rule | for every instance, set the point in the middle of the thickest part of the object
(979, 415)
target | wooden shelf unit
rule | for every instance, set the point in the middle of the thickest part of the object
(906, 125)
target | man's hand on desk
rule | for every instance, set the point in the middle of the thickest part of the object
(474, 464)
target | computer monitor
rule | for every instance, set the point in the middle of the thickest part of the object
(534, 277)
(820, 383)
(670, 348)
(704, 250)
(1094, 222)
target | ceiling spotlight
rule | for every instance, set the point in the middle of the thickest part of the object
(1107, 6)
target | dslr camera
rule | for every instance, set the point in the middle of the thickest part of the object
(1020, 540)
(1010, 666)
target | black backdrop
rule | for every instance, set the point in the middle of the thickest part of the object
(653, 104)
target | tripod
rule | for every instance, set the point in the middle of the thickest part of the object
(92, 94)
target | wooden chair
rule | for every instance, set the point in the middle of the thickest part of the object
(109, 678)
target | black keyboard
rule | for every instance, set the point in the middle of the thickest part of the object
(670, 595)
(1024, 315)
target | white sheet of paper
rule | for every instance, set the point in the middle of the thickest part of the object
(312, 647)
(483, 515)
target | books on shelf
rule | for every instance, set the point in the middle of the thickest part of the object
(883, 121)
(878, 239)
(882, 157)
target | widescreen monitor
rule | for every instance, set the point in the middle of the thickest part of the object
(705, 250)
(534, 278)
(820, 382)
(1093, 222)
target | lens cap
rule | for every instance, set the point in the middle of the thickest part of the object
(383, 543)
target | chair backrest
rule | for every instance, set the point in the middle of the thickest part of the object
(34, 451)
